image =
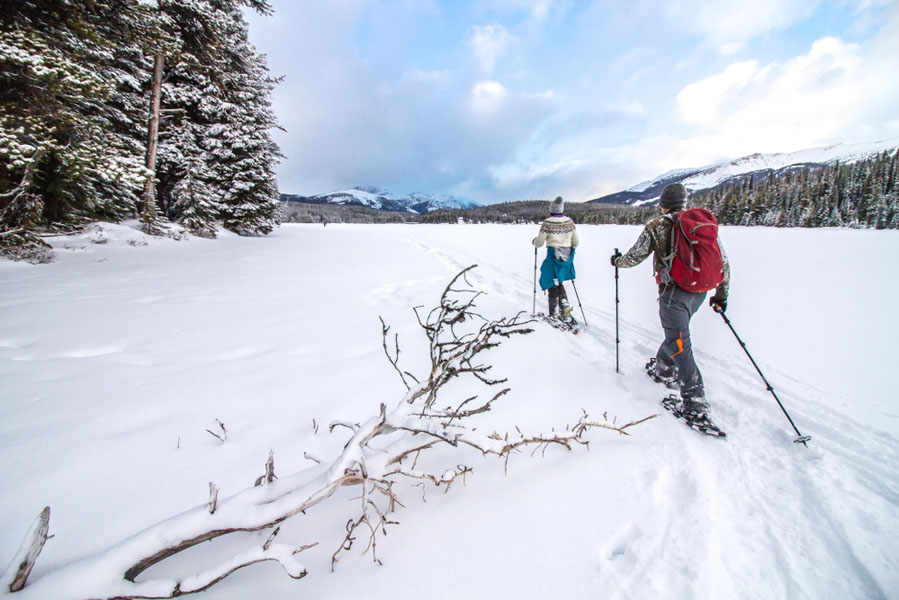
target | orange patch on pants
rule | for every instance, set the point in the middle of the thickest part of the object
(680, 344)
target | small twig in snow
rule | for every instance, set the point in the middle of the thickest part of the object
(221, 437)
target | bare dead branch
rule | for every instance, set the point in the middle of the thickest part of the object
(220, 436)
(457, 339)
(351, 426)
(393, 360)
(22, 563)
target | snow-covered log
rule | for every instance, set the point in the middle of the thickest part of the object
(457, 336)
(14, 578)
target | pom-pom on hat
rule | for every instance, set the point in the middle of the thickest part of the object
(673, 196)
(557, 206)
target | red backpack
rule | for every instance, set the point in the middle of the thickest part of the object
(696, 264)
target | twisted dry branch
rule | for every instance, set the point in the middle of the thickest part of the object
(457, 337)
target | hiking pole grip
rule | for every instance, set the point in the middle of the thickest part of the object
(802, 439)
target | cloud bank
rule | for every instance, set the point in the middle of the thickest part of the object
(517, 99)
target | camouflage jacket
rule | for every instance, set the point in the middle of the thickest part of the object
(656, 239)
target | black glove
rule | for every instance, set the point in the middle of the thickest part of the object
(615, 257)
(718, 304)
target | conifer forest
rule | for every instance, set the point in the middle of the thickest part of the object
(861, 194)
(113, 109)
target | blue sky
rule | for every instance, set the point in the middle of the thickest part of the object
(504, 100)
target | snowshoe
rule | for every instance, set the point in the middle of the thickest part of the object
(696, 417)
(561, 323)
(669, 381)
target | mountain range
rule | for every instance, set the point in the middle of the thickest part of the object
(757, 166)
(378, 199)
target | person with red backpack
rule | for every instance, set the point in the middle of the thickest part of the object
(688, 261)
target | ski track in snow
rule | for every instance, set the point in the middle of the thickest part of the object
(694, 492)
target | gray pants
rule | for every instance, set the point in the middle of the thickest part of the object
(676, 307)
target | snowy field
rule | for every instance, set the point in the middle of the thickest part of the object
(116, 359)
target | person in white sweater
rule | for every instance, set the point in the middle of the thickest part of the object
(560, 236)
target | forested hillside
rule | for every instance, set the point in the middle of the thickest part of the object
(79, 85)
(861, 194)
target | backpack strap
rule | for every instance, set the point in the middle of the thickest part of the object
(668, 259)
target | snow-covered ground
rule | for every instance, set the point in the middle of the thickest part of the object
(115, 359)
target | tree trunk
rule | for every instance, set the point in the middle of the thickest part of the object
(148, 214)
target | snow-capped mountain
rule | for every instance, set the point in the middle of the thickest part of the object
(761, 165)
(382, 200)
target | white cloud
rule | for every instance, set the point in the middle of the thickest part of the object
(727, 23)
(488, 90)
(521, 177)
(700, 102)
(731, 48)
(632, 109)
(487, 99)
(537, 10)
(489, 42)
(834, 93)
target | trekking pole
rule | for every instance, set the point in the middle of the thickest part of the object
(576, 295)
(802, 439)
(616, 313)
(534, 311)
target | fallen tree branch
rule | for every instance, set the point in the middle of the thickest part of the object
(457, 337)
(15, 576)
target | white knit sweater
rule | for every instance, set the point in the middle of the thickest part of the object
(557, 232)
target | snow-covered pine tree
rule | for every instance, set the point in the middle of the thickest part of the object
(216, 134)
(75, 83)
(187, 190)
(195, 200)
(240, 142)
(63, 158)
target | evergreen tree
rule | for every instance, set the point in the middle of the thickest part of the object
(75, 86)
(246, 156)
(59, 120)
(218, 92)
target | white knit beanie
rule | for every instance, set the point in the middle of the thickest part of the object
(557, 206)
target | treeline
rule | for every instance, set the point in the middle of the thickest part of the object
(534, 211)
(861, 194)
(527, 211)
(303, 212)
(77, 83)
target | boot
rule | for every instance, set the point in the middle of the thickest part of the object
(564, 306)
(695, 408)
(694, 402)
(661, 373)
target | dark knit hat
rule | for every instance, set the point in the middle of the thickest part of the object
(673, 196)
(557, 206)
